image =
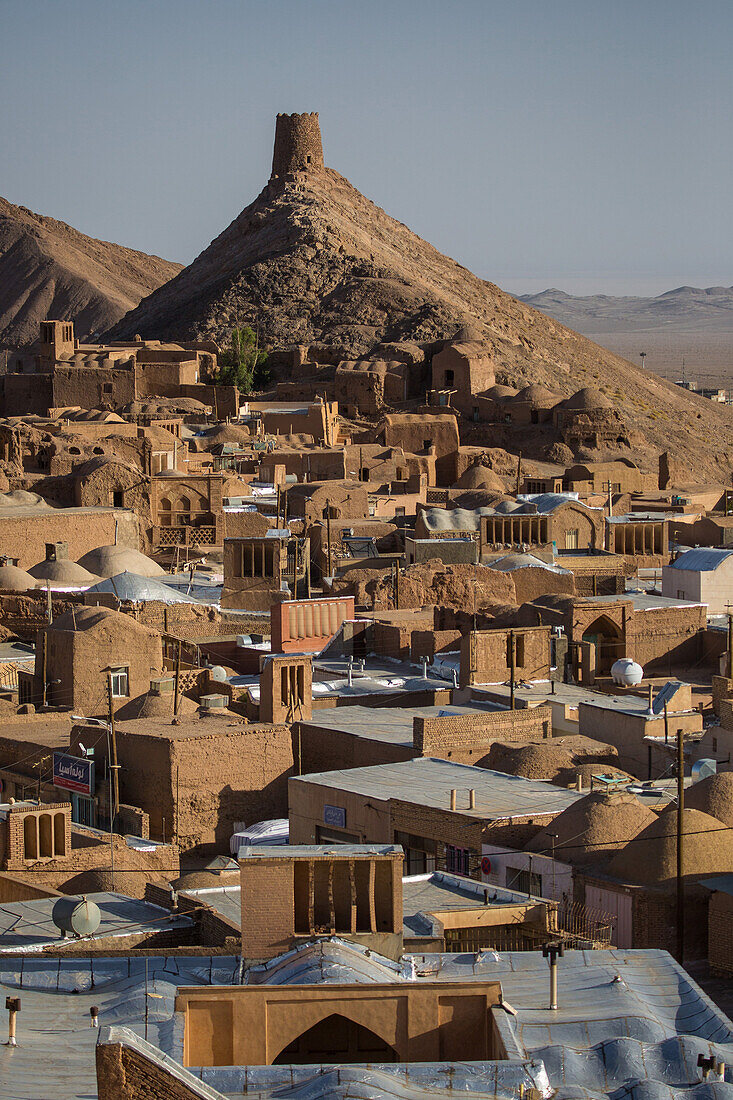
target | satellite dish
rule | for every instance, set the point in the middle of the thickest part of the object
(76, 917)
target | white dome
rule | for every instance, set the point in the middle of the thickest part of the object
(627, 672)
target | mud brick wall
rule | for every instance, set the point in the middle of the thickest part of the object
(720, 933)
(467, 738)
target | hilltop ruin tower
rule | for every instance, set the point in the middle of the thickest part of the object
(297, 144)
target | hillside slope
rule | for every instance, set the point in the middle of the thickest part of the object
(49, 269)
(311, 260)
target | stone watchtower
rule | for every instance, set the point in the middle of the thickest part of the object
(297, 144)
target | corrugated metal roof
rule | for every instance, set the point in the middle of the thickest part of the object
(703, 559)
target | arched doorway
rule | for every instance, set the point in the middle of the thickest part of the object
(336, 1040)
(608, 640)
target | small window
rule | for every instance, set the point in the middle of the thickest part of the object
(715, 744)
(680, 594)
(449, 378)
(427, 444)
(475, 412)
(106, 387)
(523, 880)
(118, 498)
(571, 539)
(120, 683)
(19, 367)
(456, 860)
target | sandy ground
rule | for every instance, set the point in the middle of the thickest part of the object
(708, 356)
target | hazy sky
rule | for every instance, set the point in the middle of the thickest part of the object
(586, 145)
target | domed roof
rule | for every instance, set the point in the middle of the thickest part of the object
(713, 796)
(652, 856)
(13, 579)
(21, 498)
(197, 880)
(469, 334)
(108, 561)
(537, 395)
(501, 393)
(587, 398)
(592, 828)
(480, 477)
(63, 573)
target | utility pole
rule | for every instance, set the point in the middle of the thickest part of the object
(115, 809)
(328, 535)
(519, 473)
(730, 645)
(176, 695)
(680, 839)
(512, 667)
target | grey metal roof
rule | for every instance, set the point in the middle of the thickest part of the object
(441, 891)
(429, 782)
(26, 926)
(315, 851)
(137, 589)
(393, 725)
(703, 559)
(630, 1024)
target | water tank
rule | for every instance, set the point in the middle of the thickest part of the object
(76, 916)
(214, 702)
(627, 672)
(217, 673)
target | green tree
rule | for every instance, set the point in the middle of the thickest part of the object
(243, 364)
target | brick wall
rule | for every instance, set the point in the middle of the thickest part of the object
(321, 749)
(467, 738)
(126, 1072)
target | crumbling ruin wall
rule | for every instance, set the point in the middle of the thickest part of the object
(430, 583)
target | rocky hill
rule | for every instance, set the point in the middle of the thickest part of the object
(48, 269)
(311, 260)
(685, 309)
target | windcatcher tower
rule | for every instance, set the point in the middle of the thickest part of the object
(297, 144)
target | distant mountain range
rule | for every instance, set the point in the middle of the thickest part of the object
(688, 309)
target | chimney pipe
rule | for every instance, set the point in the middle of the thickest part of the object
(552, 951)
(472, 799)
(94, 1016)
(12, 1004)
(453, 798)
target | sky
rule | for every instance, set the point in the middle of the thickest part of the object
(584, 145)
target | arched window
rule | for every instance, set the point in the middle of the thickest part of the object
(30, 838)
(164, 508)
(59, 834)
(336, 1039)
(45, 835)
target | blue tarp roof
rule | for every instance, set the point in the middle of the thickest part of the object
(703, 559)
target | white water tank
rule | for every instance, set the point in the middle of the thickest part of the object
(627, 672)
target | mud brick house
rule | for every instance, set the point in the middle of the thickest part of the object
(298, 626)
(660, 633)
(317, 419)
(440, 812)
(362, 736)
(642, 537)
(259, 571)
(486, 655)
(463, 369)
(292, 893)
(588, 419)
(544, 522)
(366, 386)
(187, 509)
(27, 528)
(30, 832)
(434, 435)
(197, 779)
(58, 372)
(341, 500)
(76, 652)
(620, 476)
